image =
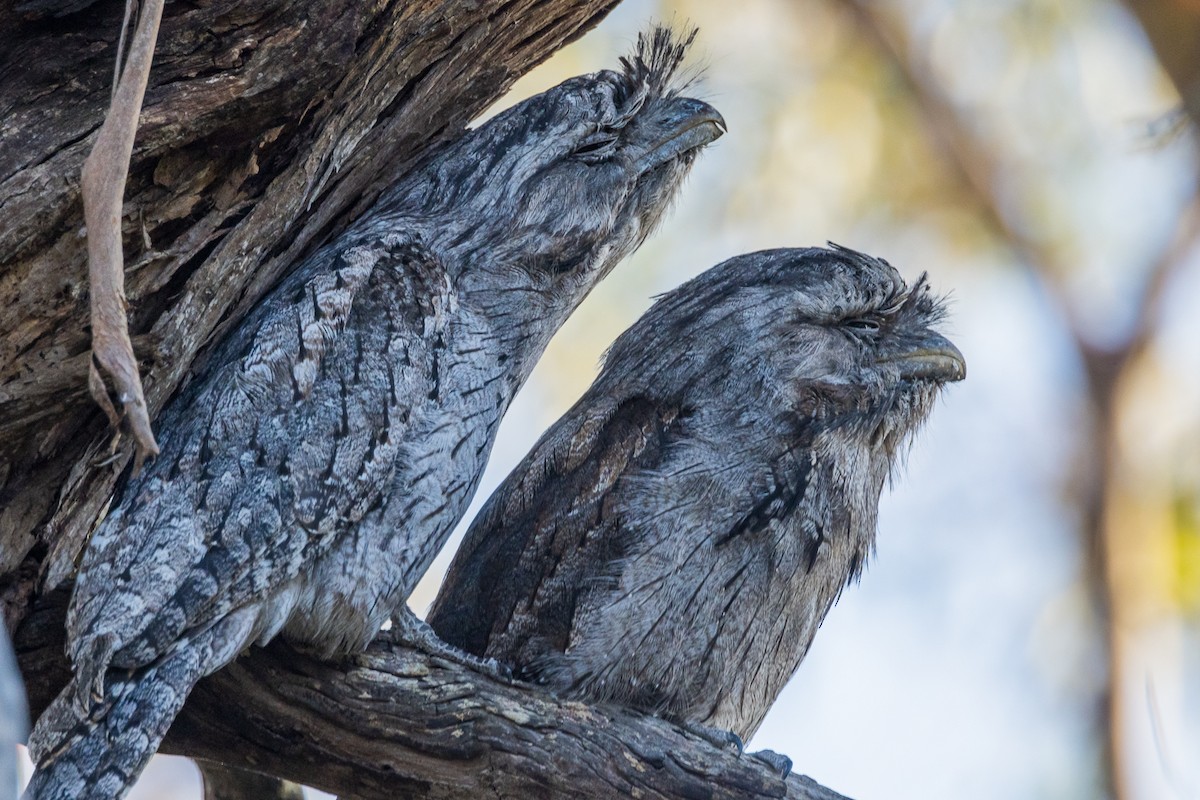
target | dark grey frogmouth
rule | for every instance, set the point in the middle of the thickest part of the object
(675, 540)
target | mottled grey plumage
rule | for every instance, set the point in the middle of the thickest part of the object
(310, 476)
(674, 541)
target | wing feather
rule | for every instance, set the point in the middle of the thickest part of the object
(281, 447)
(555, 502)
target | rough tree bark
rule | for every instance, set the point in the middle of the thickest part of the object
(395, 722)
(267, 126)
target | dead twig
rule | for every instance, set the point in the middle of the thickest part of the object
(103, 189)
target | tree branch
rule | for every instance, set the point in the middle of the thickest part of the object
(395, 722)
(103, 190)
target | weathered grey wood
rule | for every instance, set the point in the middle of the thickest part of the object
(397, 723)
(267, 125)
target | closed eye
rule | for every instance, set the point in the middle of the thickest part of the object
(864, 324)
(598, 145)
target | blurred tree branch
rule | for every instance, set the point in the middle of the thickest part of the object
(1173, 28)
(222, 782)
(977, 168)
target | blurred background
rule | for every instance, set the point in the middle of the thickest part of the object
(1030, 625)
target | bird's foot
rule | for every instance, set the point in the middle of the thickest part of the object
(408, 629)
(718, 737)
(728, 739)
(776, 761)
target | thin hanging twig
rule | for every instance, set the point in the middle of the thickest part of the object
(103, 189)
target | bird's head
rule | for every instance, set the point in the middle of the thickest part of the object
(552, 192)
(831, 341)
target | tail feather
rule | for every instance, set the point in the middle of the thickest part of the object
(98, 756)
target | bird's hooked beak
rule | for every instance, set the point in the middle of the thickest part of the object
(679, 125)
(930, 357)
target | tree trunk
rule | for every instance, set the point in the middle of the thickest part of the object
(395, 722)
